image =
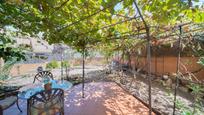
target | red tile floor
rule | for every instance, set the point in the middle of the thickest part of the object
(101, 98)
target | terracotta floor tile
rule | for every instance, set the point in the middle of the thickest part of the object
(101, 98)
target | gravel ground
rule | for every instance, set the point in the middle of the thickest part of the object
(162, 97)
(161, 100)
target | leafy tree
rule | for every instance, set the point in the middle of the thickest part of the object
(8, 51)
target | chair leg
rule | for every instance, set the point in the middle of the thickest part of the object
(18, 106)
(1, 111)
(62, 111)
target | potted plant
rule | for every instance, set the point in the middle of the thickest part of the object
(47, 83)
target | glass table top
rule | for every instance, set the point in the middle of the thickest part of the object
(27, 91)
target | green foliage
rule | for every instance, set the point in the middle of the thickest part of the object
(198, 92)
(19, 15)
(65, 64)
(9, 53)
(60, 20)
(187, 112)
(196, 89)
(52, 65)
(173, 11)
(82, 24)
(183, 108)
(180, 105)
(7, 49)
(201, 61)
(5, 70)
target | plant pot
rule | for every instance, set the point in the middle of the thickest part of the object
(48, 86)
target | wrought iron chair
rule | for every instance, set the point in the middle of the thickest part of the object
(47, 102)
(7, 99)
(40, 75)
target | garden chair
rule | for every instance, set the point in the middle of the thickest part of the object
(7, 99)
(40, 75)
(46, 102)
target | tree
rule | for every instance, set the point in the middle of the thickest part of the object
(8, 51)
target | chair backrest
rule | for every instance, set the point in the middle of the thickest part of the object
(40, 75)
(40, 68)
(46, 101)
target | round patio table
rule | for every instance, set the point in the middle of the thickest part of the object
(27, 91)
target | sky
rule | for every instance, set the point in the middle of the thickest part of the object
(201, 2)
(119, 5)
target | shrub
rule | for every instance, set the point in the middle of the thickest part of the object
(201, 61)
(5, 70)
(65, 64)
(52, 65)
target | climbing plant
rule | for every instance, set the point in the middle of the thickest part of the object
(109, 25)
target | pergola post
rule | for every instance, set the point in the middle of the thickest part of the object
(177, 69)
(149, 70)
(83, 74)
(148, 56)
(61, 66)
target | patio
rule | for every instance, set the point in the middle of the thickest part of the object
(101, 98)
(148, 51)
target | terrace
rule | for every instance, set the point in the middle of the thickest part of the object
(117, 57)
(101, 98)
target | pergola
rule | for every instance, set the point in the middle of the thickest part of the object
(142, 32)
